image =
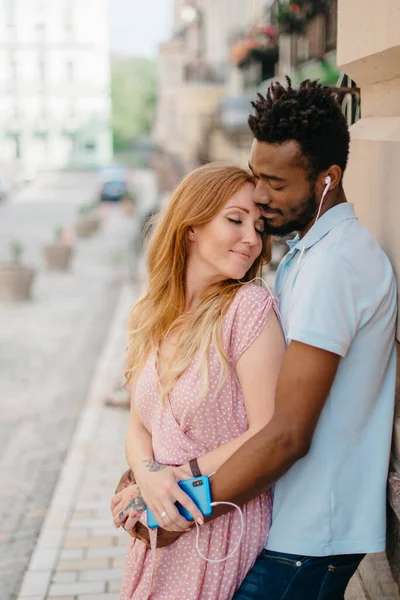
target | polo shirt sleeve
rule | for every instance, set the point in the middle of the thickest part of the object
(323, 309)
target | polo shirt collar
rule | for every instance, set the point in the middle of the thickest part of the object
(334, 216)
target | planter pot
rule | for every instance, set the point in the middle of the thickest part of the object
(57, 256)
(16, 282)
(87, 226)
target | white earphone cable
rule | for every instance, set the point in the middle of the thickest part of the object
(328, 182)
(219, 560)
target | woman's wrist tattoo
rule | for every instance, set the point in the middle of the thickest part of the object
(153, 466)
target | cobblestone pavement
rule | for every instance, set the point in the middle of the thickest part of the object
(48, 351)
(79, 554)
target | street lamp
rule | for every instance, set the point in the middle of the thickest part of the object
(190, 14)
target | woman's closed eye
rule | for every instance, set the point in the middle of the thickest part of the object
(239, 222)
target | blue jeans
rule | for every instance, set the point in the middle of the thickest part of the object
(277, 576)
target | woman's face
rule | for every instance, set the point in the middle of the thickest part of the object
(227, 246)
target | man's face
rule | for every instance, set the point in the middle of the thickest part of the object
(283, 191)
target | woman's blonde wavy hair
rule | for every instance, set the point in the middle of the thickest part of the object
(199, 197)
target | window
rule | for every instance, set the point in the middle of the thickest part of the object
(40, 16)
(13, 67)
(90, 147)
(41, 70)
(17, 138)
(68, 15)
(302, 52)
(331, 26)
(70, 71)
(9, 9)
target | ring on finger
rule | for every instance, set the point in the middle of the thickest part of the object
(163, 514)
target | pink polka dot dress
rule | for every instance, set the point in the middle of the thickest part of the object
(183, 428)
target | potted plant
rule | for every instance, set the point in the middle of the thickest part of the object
(291, 18)
(88, 222)
(16, 279)
(58, 255)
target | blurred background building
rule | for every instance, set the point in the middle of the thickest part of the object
(71, 101)
(221, 54)
(54, 84)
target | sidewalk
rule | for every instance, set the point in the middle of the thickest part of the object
(79, 554)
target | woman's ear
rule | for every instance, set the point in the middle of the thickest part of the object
(191, 235)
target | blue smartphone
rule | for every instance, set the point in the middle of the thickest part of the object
(199, 491)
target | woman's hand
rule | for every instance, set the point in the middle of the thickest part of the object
(127, 507)
(160, 489)
(183, 472)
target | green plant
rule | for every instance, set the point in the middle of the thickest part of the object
(133, 96)
(58, 234)
(94, 205)
(291, 18)
(16, 251)
(294, 15)
(84, 209)
(130, 196)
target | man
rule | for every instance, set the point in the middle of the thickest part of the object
(326, 449)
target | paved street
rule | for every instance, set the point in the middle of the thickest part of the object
(49, 348)
(79, 554)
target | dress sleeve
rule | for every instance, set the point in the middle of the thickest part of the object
(252, 310)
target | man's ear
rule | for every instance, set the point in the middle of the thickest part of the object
(335, 174)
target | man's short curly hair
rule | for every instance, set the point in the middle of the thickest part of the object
(309, 115)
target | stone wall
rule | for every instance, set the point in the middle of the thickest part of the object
(369, 52)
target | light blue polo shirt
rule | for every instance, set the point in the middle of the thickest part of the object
(339, 294)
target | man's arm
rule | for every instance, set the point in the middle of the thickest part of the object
(304, 383)
(306, 377)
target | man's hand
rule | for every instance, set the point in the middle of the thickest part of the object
(126, 479)
(128, 506)
(164, 537)
(140, 531)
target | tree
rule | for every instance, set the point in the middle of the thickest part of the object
(133, 96)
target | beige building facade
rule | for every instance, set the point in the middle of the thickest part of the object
(369, 52)
(196, 73)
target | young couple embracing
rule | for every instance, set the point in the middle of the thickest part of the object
(285, 401)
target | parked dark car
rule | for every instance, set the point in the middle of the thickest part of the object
(114, 184)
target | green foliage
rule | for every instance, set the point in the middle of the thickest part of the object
(131, 197)
(85, 209)
(57, 234)
(133, 95)
(16, 250)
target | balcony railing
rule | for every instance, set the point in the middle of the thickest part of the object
(349, 98)
(204, 73)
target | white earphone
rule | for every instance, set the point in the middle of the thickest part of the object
(328, 182)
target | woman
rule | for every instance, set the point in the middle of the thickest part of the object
(204, 356)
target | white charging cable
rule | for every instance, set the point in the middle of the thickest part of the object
(219, 560)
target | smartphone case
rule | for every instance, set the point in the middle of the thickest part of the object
(199, 491)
